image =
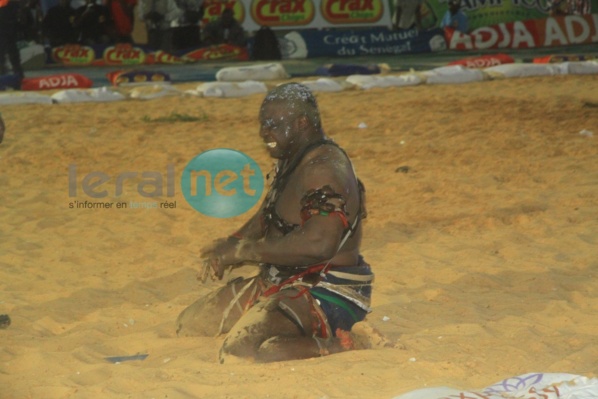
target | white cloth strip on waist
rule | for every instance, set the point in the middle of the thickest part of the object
(350, 276)
(350, 295)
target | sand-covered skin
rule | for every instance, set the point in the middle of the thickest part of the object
(482, 232)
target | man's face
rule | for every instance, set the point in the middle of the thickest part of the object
(278, 130)
(227, 18)
(454, 6)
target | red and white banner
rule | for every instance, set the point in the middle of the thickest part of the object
(484, 61)
(548, 32)
(124, 54)
(302, 14)
(59, 81)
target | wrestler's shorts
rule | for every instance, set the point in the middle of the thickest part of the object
(340, 311)
(344, 296)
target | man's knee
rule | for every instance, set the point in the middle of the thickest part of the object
(244, 341)
(261, 323)
(203, 317)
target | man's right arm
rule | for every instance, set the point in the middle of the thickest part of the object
(210, 35)
(237, 36)
(143, 10)
(253, 228)
(173, 12)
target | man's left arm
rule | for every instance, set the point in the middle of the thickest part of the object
(323, 223)
(463, 23)
(317, 240)
(237, 36)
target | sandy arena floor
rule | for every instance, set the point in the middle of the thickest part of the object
(484, 244)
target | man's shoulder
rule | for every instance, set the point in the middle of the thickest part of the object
(327, 160)
(327, 151)
(213, 24)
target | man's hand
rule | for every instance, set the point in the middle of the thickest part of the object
(220, 254)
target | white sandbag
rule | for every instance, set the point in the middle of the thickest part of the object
(438, 43)
(101, 94)
(24, 98)
(230, 89)
(155, 91)
(527, 386)
(31, 50)
(33, 56)
(581, 67)
(323, 84)
(453, 74)
(274, 71)
(579, 388)
(292, 46)
(370, 81)
(524, 70)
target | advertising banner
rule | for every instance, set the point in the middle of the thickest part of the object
(547, 32)
(320, 14)
(288, 14)
(131, 55)
(481, 13)
(359, 42)
(301, 14)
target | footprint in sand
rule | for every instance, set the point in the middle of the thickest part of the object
(4, 321)
(366, 336)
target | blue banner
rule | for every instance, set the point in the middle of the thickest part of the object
(374, 41)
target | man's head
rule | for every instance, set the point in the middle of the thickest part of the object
(289, 119)
(454, 6)
(227, 17)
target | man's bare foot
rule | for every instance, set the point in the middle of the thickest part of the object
(345, 339)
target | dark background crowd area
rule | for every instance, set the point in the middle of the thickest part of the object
(90, 22)
(62, 24)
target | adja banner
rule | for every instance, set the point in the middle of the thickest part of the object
(547, 32)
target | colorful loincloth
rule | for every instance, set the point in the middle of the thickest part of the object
(343, 292)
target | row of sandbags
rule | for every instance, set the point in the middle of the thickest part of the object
(248, 80)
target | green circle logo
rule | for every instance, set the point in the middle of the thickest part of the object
(222, 183)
